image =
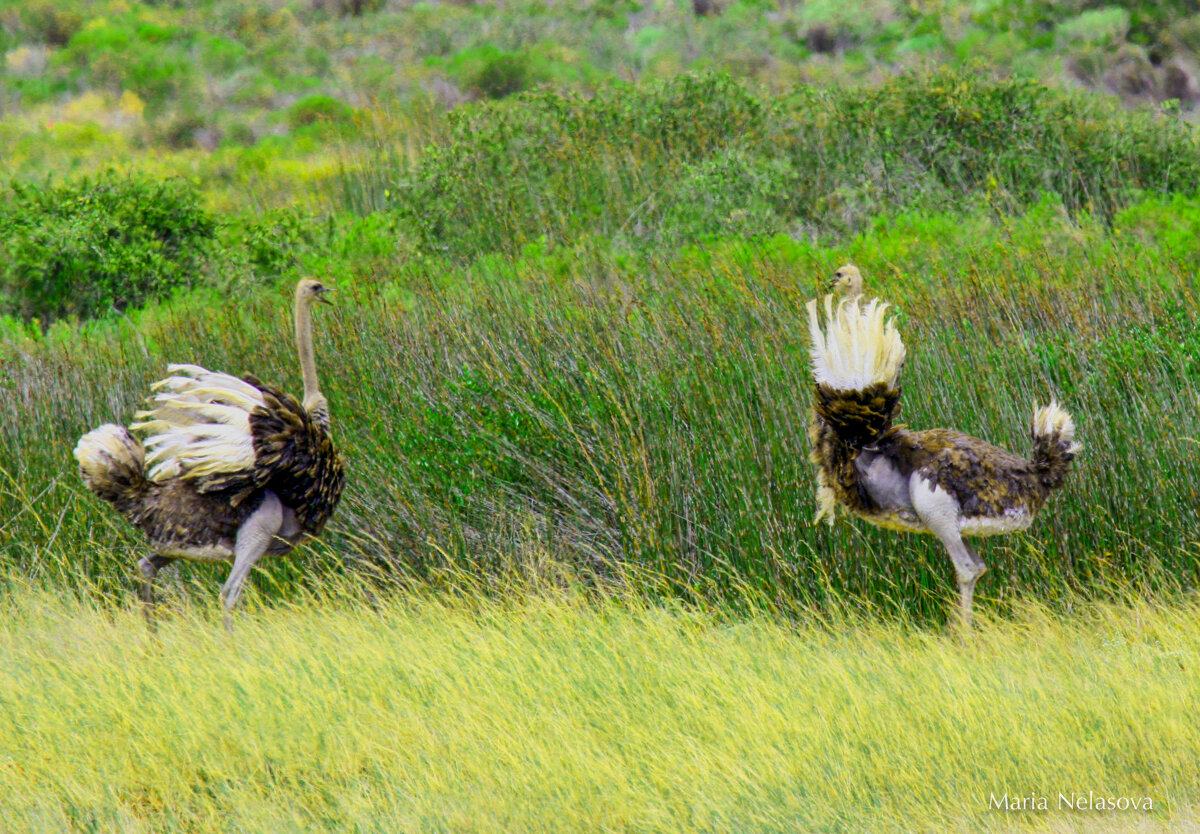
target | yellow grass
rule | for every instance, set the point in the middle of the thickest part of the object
(554, 715)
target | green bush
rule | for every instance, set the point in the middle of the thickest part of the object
(502, 74)
(179, 130)
(273, 242)
(1144, 23)
(674, 161)
(85, 247)
(50, 21)
(933, 139)
(493, 73)
(156, 62)
(555, 166)
(730, 192)
(319, 109)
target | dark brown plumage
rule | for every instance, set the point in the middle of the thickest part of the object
(294, 458)
(987, 481)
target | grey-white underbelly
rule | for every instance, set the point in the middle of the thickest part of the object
(891, 492)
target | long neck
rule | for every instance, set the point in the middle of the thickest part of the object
(304, 346)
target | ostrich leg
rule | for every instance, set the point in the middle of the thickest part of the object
(253, 538)
(940, 513)
(149, 568)
(969, 568)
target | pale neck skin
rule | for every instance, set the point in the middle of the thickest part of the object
(313, 399)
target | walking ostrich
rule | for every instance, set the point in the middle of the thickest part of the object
(938, 481)
(232, 468)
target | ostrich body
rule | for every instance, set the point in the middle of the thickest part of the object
(232, 469)
(939, 481)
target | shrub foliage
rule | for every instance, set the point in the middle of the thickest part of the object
(676, 161)
(85, 247)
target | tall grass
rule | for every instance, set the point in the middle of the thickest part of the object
(526, 355)
(643, 419)
(547, 714)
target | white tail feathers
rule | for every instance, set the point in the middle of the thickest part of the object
(1052, 422)
(200, 425)
(109, 458)
(859, 346)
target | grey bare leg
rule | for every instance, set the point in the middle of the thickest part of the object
(969, 567)
(940, 513)
(149, 568)
(253, 538)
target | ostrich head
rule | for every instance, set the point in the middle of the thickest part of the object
(847, 281)
(310, 290)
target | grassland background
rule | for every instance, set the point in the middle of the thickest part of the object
(567, 366)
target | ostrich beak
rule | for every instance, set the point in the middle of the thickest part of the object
(321, 293)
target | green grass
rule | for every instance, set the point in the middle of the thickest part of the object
(626, 166)
(546, 713)
(644, 418)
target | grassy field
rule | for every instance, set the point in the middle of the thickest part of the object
(644, 419)
(574, 582)
(550, 713)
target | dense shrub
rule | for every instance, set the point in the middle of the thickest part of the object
(678, 160)
(51, 22)
(1145, 23)
(939, 138)
(490, 72)
(502, 75)
(273, 242)
(85, 247)
(156, 62)
(318, 109)
(555, 166)
(733, 191)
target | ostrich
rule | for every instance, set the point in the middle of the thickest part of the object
(232, 468)
(938, 481)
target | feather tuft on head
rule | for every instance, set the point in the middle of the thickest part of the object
(1053, 422)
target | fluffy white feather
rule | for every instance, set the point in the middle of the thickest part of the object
(101, 449)
(1053, 421)
(858, 347)
(200, 424)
